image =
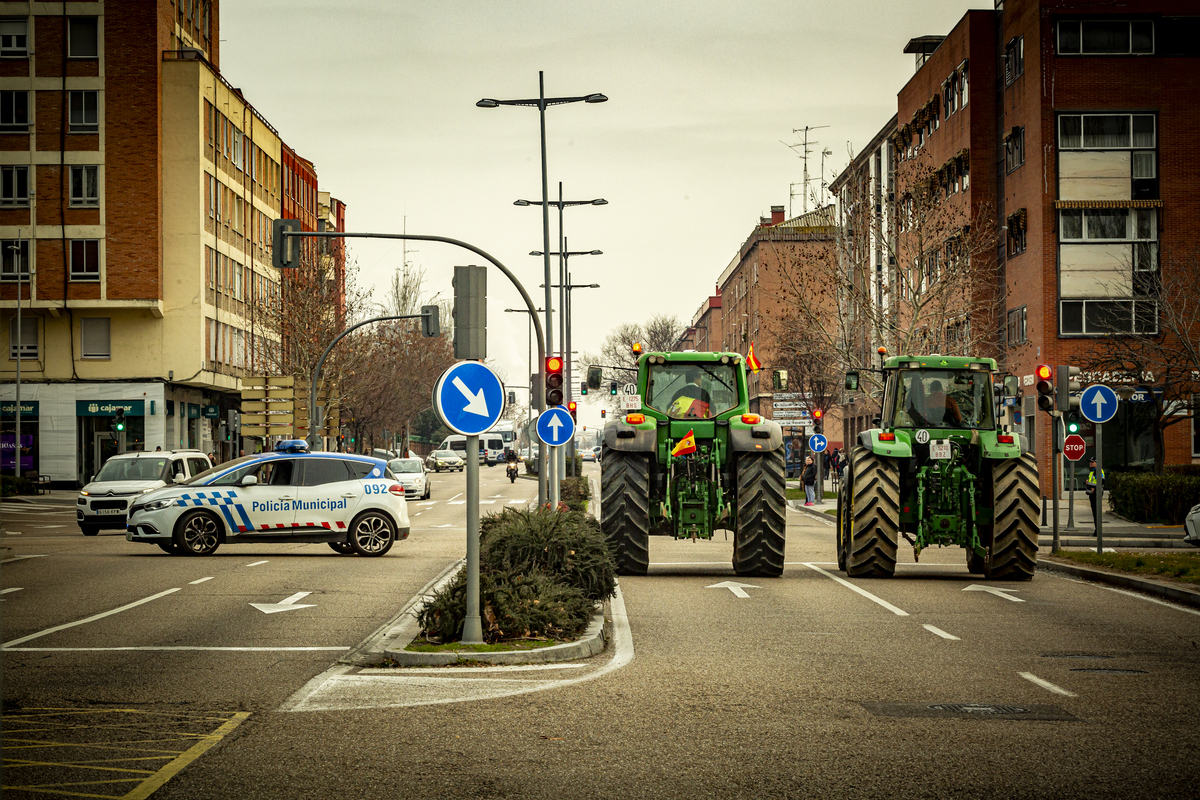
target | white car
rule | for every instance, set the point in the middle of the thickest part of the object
(353, 503)
(105, 501)
(1191, 527)
(440, 460)
(411, 474)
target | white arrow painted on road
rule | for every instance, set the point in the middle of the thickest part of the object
(996, 590)
(283, 605)
(476, 403)
(737, 588)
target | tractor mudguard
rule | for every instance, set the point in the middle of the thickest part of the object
(765, 436)
(900, 448)
(629, 439)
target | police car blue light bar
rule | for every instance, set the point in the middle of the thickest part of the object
(292, 446)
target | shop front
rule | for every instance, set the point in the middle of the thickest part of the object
(99, 438)
(29, 455)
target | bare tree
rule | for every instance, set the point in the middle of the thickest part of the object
(658, 334)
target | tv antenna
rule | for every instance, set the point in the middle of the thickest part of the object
(803, 153)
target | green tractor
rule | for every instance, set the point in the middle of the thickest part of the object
(691, 459)
(938, 471)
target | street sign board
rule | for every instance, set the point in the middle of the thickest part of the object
(1074, 447)
(468, 398)
(817, 443)
(1098, 403)
(555, 426)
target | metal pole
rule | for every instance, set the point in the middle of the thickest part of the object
(1071, 500)
(1099, 487)
(1054, 475)
(472, 626)
(20, 355)
(543, 469)
(567, 364)
(820, 493)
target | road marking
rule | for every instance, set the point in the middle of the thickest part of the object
(457, 503)
(93, 618)
(202, 580)
(738, 589)
(996, 590)
(256, 563)
(156, 781)
(451, 525)
(1128, 593)
(152, 648)
(13, 533)
(287, 604)
(13, 589)
(1047, 685)
(487, 502)
(430, 503)
(517, 502)
(941, 633)
(460, 494)
(897, 611)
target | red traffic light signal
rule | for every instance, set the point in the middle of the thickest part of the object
(817, 413)
(571, 406)
(1045, 387)
(554, 381)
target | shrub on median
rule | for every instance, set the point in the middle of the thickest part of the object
(575, 492)
(1143, 497)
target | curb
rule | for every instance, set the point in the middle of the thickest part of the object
(594, 640)
(1168, 591)
(796, 505)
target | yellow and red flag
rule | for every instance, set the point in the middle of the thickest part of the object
(686, 445)
(752, 360)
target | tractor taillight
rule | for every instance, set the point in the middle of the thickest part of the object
(887, 437)
(1004, 438)
(751, 419)
(635, 419)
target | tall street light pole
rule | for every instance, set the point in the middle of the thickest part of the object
(529, 350)
(542, 103)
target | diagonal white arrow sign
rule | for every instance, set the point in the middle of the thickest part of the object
(476, 403)
(288, 604)
(996, 590)
(738, 589)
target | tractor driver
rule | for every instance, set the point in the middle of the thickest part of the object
(935, 408)
(693, 399)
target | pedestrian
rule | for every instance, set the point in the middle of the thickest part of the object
(158, 449)
(809, 479)
(1092, 494)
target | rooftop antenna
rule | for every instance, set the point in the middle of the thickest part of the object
(804, 153)
(824, 152)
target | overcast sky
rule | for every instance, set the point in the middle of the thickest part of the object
(380, 95)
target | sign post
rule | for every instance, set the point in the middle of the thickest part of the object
(1073, 448)
(817, 443)
(1098, 403)
(469, 399)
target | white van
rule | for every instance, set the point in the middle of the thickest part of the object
(491, 447)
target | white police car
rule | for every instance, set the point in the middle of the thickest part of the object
(354, 503)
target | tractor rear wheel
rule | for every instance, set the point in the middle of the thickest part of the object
(761, 515)
(842, 525)
(625, 509)
(873, 490)
(1012, 554)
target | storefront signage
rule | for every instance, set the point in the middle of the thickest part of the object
(29, 408)
(108, 408)
(193, 411)
(212, 412)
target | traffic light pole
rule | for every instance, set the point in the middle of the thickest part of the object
(1055, 450)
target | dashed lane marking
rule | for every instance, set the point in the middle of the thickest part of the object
(20, 558)
(256, 563)
(899, 612)
(11, 589)
(939, 632)
(202, 580)
(1047, 685)
(93, 618)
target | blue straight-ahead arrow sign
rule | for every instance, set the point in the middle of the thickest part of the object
(555, 426)
(1098, 403)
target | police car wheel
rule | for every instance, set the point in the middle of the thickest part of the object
(197, 534)
(372, 534)
(341, 547)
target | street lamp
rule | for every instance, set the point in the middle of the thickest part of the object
(532, 379)
(20, 270)
(564, 280)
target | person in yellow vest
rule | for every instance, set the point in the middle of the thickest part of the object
(1093, 495)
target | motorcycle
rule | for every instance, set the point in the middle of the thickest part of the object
(511, 471)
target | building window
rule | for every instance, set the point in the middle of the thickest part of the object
(14, 38)
(14, 112)
(1016, 330)
(14, 186)
(83, 40)
(1117, 37)
(14, 265)
(1016, 232)
(25, 344)
(1014, 60)
(85, 112)
(1108, 317)
(1014, 149)
(85, 187)
(85, 259)
(1108, 224)
(95, 337)
(1106, 131)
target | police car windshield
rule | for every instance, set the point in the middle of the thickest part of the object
(406, 465)
(133, 469)
(208, 473)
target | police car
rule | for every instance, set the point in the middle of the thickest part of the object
(353, 503)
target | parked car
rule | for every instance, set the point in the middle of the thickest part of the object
(353, 503)
(104, 502)
(412, 476)
(448, 460)
(1191, 526)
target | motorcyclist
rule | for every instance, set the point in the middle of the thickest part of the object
(510, 461)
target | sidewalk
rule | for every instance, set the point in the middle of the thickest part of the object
(1118, 532)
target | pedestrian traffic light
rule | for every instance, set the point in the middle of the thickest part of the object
(119, 420)
(1067, 383)
(571, 406)
(1045, 387)
(583, 389)
(554, 381)
(817, 415)
(612, 388)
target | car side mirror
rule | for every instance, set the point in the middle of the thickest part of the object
(249, 480)
(852, 381)
(1012, 385)
(594, 375)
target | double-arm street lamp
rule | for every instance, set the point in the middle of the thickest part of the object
(564, 280)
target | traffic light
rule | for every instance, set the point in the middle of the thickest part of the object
(612, 388)
(571, 406)
(583, 389)
(554, 381)
(512, 397)
(119, 420)
(1073, 422)
(285, 250)
(1067, 383)
(431, 321)
(604, 413)
(817, 414)
(1045, 387)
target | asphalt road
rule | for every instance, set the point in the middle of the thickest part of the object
(810, 685)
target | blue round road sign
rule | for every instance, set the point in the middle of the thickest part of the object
(1098, 403)
(555, 426)
(817, 443)
(468, 398)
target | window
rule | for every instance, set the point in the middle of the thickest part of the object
(14, 38)
(94, 337)
(15, 261)
(1108, 224)
(14, 186)
(85, 259)
(1105, 37)
(1016, 330)
(237, 148)
(26, 343)
(1016, 232)
(212, 196)
(1014, 60)
(1108, 317)
(83, 38)
(1014, 149)
(1106, 131)
(319, 471)
(85, 187)
(85, 114)
(14, 112)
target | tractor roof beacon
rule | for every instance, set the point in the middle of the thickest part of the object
(691, 460)
(938, 471)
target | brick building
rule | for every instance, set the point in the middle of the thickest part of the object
(706, 322)
(139, 187)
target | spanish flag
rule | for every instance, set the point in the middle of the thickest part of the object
(686, 445)
(752, 361)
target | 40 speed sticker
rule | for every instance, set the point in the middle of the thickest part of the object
(922, 437)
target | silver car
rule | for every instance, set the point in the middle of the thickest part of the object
(411, 474)
(440, 460)
(104, 503)
(1191, 525)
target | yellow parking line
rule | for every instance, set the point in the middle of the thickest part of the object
(169, 771)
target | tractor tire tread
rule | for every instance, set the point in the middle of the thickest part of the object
(874, 515)
(1014, 546)
(759, 541)
(625, 509)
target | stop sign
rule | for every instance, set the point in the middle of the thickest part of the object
(1074, 447)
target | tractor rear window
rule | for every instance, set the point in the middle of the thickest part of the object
(692, 390)
(942, 398)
